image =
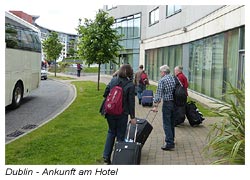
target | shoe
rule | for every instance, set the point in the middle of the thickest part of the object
(106, 161)
(167, 147)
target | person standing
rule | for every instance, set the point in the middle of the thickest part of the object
(139, 84)
(180, 110)
(79, 68)
(165, 89)
(182, 78)
(118, 123)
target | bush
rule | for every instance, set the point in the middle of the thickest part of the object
(227, 138)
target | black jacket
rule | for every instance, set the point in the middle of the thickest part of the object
(128, 94)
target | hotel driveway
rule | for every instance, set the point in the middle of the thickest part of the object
(51, 98)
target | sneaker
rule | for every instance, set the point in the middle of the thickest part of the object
(167, 147)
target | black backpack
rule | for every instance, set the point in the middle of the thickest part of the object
(194, 116)
(180, 96)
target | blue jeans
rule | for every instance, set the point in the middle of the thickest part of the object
(117, 129)
(168, 121)
(140, 89)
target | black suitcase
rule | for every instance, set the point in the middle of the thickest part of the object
(179, 115)
(194, 116)
(144, 129)
(127, 153)
(147, 98)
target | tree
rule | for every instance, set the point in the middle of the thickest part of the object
(52, 48)
(98, 41)
(72, 51)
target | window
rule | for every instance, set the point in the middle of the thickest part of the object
(172, 9)
(130, 28)
(137, 25)
(20, 38)
(125, 28)
(154, 16)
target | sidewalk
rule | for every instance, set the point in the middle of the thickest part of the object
(190, 141)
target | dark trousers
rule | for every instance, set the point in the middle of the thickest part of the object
(168, 121)
(78, 73)
(117, 129)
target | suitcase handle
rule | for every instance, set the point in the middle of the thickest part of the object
(154, 115)
(129, 125)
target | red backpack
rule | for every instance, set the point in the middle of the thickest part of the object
(144, 78)
(113, 103)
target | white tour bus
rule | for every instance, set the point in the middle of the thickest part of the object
(22, 59)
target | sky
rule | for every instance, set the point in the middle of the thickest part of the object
(56, 14)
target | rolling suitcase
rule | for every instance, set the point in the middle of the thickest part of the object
(147, 98)
(144, 129)
(127, 153)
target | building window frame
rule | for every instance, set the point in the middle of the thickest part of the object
(154, 16)
(175, 9)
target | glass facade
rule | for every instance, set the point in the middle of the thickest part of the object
(154, 58)
(129, 27)
(206, 66)
(212, 62)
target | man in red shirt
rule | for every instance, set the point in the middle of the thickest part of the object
(182, 78)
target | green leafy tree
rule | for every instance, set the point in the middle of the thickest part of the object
(72, 51)
(98, 41)
(52, 48)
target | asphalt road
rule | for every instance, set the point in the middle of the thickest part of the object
(39, 107)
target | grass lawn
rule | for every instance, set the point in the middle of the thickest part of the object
(76, 136)
(90, 69)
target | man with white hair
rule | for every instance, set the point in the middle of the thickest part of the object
(165, 90)
(182, 78)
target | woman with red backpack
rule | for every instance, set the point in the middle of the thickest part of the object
(118, 122)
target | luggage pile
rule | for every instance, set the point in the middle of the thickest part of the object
(190, 110)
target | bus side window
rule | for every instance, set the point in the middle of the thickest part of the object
(11, 36)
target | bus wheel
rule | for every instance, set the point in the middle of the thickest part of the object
(17, 95)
